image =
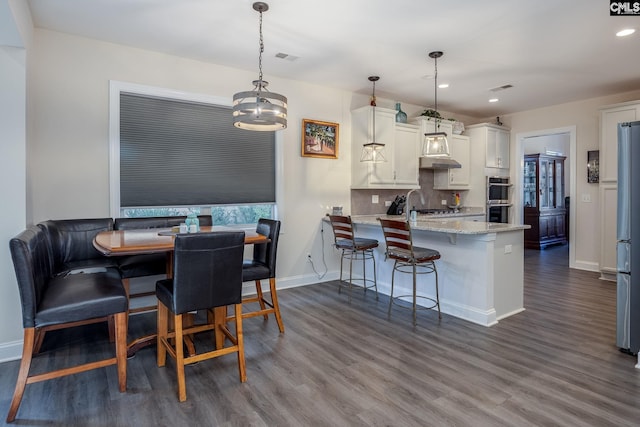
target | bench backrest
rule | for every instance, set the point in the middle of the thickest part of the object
(32, 261)
(71, 241)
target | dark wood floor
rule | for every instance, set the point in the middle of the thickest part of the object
(341, 364)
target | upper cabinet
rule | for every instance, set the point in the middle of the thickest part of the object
(609, 119)
(458, 178)
(495, 141)
(401, 141)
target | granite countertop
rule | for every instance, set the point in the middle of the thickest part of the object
(443, 224)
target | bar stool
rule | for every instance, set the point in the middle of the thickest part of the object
(353, 248)
(409, 259)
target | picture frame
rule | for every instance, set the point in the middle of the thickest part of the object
(593, 166)
(320, 139)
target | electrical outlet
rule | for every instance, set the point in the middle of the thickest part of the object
(375, 198)
(443, 202)
(387, 203)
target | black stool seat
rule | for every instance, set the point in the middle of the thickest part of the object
(357, 243)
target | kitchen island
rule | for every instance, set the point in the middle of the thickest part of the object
(480, 271)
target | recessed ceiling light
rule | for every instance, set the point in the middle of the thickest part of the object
(443, 85)
(625, 32)
(494, 100)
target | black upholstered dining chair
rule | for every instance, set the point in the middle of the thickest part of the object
(262, 267)
(409, 259)
(207, 274)
(57, 301)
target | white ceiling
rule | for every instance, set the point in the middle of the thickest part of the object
(551, 51)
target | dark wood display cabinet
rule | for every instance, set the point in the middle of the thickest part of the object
(544, 208)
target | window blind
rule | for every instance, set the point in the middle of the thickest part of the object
(182, 153)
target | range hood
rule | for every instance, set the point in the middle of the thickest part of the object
(438, 163)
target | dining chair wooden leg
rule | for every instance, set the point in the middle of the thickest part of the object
(276, 306)
(261, 298)
(163, 329)
(242, 370)
(112, 328)
(23, 373)
(182, 387)
(120, 326)
(219, 316)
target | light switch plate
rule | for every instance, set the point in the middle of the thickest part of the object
(387, 203)
(375, 198)
(443, 203)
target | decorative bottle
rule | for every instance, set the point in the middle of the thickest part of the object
(193, 223)
(401, 116)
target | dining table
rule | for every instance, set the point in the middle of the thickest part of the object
(161, 240)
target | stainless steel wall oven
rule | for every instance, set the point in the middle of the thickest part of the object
(498, 199)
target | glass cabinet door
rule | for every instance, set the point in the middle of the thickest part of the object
(559, 185)
(551, 193)
(544, 196)
(530, 185)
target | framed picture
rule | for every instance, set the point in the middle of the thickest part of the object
(593, 166)
(319, 139)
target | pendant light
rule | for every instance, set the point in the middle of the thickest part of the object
(373, 152)
(435, 143)
(259, 109)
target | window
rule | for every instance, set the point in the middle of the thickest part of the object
(172, 153)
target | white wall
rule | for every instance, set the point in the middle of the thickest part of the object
(13, 58)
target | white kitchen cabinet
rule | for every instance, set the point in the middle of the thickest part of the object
(609, 119)
(610, 116)
(494, 139)
(455, 179)
(401, 150)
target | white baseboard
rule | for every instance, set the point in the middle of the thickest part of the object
(587, 266)
(10, 351)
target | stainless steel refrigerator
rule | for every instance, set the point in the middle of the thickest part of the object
(628, 233)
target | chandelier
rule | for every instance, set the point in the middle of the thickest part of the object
(259, 109)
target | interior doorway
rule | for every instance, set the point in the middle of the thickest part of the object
(560, 140)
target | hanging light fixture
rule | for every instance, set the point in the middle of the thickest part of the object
(259, 109)
(435, 143)
(373, 152)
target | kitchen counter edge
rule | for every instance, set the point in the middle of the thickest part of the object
(444, 225)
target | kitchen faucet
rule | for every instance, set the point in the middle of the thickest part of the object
(408, 209)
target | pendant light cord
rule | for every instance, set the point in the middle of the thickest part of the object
(260, 56)
(435, 90)
(373, 103)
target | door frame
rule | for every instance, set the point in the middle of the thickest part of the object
(519, 176)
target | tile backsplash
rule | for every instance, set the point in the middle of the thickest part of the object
(361, 203)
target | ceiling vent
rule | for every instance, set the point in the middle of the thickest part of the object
(286, 56)
(499, 88)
